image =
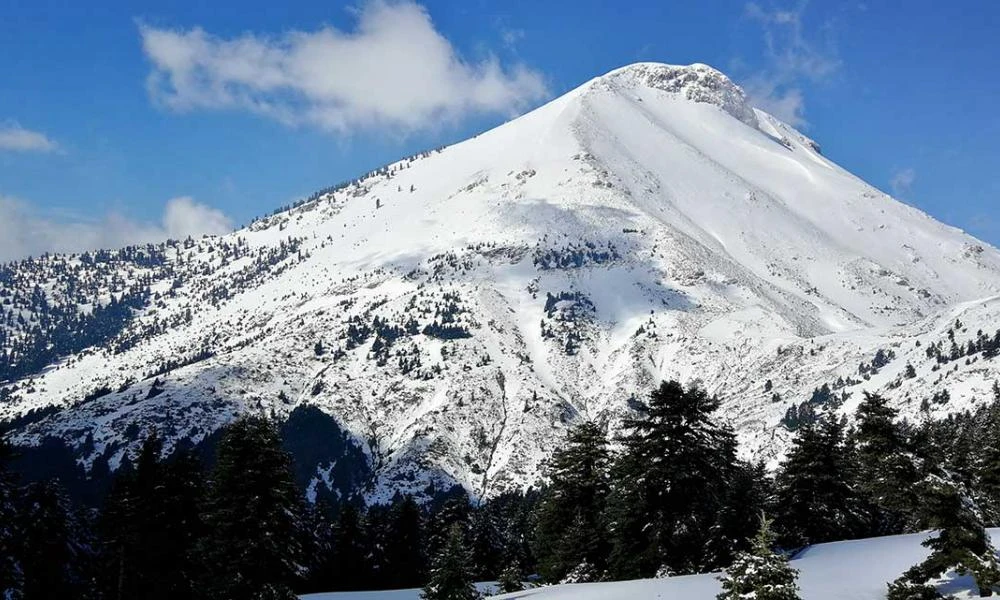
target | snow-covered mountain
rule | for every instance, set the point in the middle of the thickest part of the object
(456, 311)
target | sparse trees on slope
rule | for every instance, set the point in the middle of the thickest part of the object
(570, 523)
(760, 573)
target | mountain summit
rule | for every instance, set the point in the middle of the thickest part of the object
(454, 312)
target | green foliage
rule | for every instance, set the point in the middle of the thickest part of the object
(510, 579)
(570, 523)
(670, 486)
(149, 525)
(253, 514)
(815, 488)
(760, 573)
(451, 577)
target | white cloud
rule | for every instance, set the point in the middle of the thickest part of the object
(24, 232)
(786, 103)
(902, 180)
(791, 58)
(15, 138)
(393, 71)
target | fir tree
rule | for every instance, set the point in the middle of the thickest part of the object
(510, 578)
(815, 497)
(54, 553)
(451, 578)
(887, 471)
(404, 551)
(670, 485)
(961, 544)
(253, 514)
(150, 524)
(760, 573)
(9, 525)
(987, 464)
(350, 559)
(570, 523)
(486, 544)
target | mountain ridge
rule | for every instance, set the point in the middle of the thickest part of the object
(456, 311)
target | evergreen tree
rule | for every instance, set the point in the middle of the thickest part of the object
(749, 493)
(987, 464)
(150, 524)
(451, 578)
(350, 559)
(670, 485)
(961, 544)
(570, 523)
(760, 573)
(9, 525)
(486, 544)
(815, 499)
(54, 553)
(404, 552)
(253, 514)
(510, 579)
(887, 470)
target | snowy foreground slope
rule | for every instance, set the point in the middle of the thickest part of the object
(854, 570)
(457, 311)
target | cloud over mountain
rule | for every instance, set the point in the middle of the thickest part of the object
(394, 70)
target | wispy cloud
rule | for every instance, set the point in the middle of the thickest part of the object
(791, 57)
(394, 71)
(24, 232)
(15, 138)
(902, 181)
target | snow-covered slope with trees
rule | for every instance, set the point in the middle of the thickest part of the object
(857, 569)
(456, 311)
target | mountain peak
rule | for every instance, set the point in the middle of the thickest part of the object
(697, 82)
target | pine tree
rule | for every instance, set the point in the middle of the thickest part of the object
(486, 544)
(987, 464)
(962, 542)
(456, 508)
(54, 553)
(150, 524)
(570, 523)
(451, 578)
(510, 578)
(760, 573)
(887, 470)
(350, 560)
(404, 552)
(670, 485)
(253, 514)
(815, 497)
(9, 525)
(749, 492)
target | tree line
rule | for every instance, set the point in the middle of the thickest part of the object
(666, 495)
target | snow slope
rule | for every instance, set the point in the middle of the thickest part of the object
(852, 570)
(472, 303)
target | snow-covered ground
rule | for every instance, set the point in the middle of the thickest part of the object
(853, 570)
(650, 224)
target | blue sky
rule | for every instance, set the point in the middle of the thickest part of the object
(131, 121)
